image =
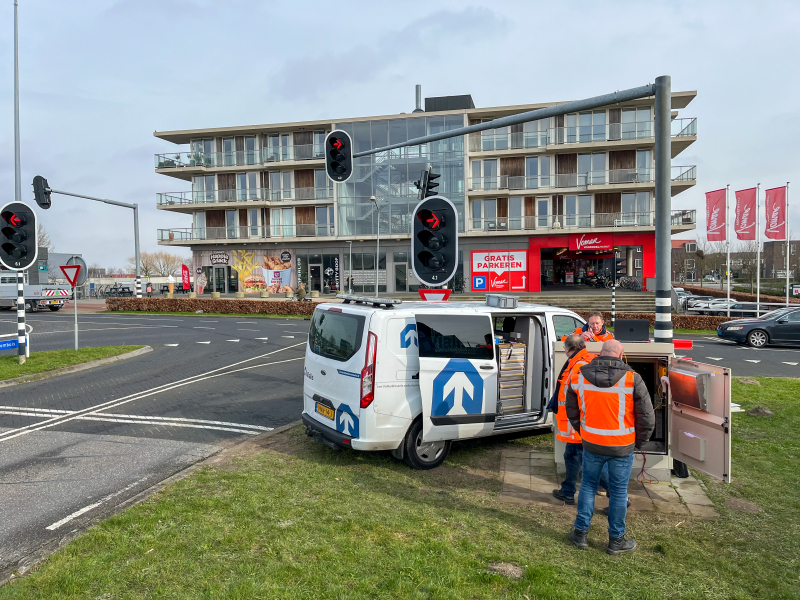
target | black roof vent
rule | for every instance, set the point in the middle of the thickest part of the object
(440, 103)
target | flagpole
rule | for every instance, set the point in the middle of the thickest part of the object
(786, 221)
(728, 238)
(758, 253)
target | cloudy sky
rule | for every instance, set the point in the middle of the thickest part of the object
(98, 77)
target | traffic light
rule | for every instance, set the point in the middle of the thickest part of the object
(18, 247)
(426, 183)
(41, 192)
(620, 267)
(339, 156)
(434, 241)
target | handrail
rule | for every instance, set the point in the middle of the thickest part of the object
(254, 195)
(245, 232)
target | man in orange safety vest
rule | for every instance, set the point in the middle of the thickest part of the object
(610, 407)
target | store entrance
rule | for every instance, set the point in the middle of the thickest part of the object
(562, 268)
(315, 277)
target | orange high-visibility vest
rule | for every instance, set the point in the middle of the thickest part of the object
(596, 337)
(564, 429)
(606, 413)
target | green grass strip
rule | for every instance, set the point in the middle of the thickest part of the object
(50, 360)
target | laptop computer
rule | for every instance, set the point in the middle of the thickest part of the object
(632, 330)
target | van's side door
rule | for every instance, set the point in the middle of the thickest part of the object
(457, 375)
(700, 416)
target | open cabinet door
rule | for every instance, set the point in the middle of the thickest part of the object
(700, 417)
(457, 376)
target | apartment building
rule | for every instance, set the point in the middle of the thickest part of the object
(774, 263)
(546, 203)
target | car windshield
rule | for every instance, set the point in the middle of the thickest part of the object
(773, 314)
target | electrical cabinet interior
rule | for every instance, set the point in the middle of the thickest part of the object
(651, 370)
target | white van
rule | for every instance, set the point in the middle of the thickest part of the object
(413, 376)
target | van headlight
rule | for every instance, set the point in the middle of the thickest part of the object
(735, 328)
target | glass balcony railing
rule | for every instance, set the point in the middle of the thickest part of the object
(190, 234)
(491, 141)
(576, 221)
(239, 158)
(255, 195)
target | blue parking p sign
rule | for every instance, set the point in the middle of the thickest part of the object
(479, 282)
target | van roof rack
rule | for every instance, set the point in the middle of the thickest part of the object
(376, 302)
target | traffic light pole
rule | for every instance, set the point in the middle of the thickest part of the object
(18, 192)
(21, 318)
(135, 208)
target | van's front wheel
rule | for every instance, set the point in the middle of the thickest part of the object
(423, 455)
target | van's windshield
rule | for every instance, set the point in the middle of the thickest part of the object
(335, 334)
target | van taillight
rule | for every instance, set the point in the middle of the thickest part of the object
(368, 372)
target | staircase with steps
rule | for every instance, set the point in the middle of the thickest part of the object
(641, 303)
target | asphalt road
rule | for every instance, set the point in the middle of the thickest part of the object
(772, 361)
(75, 446)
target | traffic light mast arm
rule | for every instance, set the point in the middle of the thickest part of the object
(135, 208)
(532, 115)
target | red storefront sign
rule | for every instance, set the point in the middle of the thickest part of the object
(591, 241)
(491, 270)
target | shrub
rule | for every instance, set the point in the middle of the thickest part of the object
(743, 296)
(214, 305)
(678, 321)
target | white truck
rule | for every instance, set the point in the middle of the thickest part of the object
(412, 377)
(36, 297)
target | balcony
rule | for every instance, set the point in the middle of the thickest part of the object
(243, 234)
(489, 141)
(178, 199)
(244, 158)
(549, 223)
(681, 175)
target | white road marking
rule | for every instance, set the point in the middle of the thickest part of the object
(202, 342)
(204, 328)
(752, 361)
(232, 340)
(165, 423)
(86, 509)
(105, 329)
(288, 336)
(256, 330)
(713, 358)
(246, 322)
(172, 345)
(13, 433)
(262, 338)
(791, 363)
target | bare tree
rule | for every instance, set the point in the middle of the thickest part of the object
(147, 264)
(95, 270)
(167, 264)
(43, 238)
(748, 253)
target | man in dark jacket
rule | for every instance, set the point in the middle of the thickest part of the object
(609, 405)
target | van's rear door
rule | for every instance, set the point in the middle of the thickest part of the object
(700, 416)
(457, 375)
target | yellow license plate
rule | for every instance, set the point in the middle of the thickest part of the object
(325, 411)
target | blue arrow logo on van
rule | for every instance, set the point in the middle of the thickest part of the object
(346, 421)
(458, 383)
(408, 334)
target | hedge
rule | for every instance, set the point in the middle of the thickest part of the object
(744, 296)
(678, 321)
(216, 305)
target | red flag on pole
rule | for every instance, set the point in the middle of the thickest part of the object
(187, 284)
(716, 216)
(775, 204)
(745, 223)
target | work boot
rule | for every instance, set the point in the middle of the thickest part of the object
(579, 539)
(560, 495)
(620, 545)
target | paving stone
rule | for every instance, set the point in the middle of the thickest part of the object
(516, 454)
(542, 481)
(662, 493)
(675, 508)
(544, 471)
(639, 504)
(545, 497)
(704, 512)
(521, 467)
(637, 489)
(542, 462)
(517, 479)
(546, 455)
(685, 484)
(697, 499)
(510, 488)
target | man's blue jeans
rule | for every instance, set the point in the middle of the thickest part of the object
(573, 458)
(619, 471)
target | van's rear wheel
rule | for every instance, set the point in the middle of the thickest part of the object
(423, 455)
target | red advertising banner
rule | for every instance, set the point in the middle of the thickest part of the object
(745, 223)
(492, 269)
(591, 241)
(185, 277)
(716, 216)
(775, 205)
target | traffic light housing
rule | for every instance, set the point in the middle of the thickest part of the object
(338, 156)
(434, 241)
(18, 243)
(427, 183)
(620, 267)
(41, 192)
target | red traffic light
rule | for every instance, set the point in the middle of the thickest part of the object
(336, 143)
(14, 219)
(430, 219)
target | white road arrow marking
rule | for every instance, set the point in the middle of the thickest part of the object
(347, 423)
(203, 342)
(288, 336)
(752, 361)
(459, 384)
(173, 345)
(713, 358)
(233, 340)
(205, 328)
(262, 338)
(790, 363)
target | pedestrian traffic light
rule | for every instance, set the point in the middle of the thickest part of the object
(41, 192)
(620, 267)
(434, 241)
(18, 247)
(426, 184)
(338, 156)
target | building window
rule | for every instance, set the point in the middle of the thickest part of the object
(250, 149)
(532, 172)
(203, 152)
(690, 247)
(542, 206)
(246, 186)
(282, 221)
(203, 189)
(252, 221)
(688, 264)
(230, 224)
(228, 152)
(637, 263)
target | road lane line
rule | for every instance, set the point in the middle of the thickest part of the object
(256, 330)
(246, 322)
(231, 340)
(713, 358)
(13, 433)
(171, 345)
(86, 509)
(164, 423)
(751, 361)
(288, 336)
(202, 342)
(791, 363)
(203, 327)
(262, 338)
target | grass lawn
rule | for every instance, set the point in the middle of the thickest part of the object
(39, 362)
(297, 520)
